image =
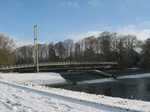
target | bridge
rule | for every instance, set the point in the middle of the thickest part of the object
(60, 66)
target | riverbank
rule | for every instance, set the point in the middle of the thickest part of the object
(16, 98)
(127, 86)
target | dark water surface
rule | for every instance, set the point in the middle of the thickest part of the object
(125, 88)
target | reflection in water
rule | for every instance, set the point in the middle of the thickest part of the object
(125, 88)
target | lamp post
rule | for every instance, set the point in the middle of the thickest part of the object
(36, 54)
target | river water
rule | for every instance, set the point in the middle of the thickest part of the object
(131, 88)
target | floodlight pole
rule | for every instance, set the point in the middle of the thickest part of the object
(36, 54)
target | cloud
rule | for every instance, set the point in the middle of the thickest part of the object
(20, 42)
(140, 34)
(141, 31)
(70, 4)
(80, 36)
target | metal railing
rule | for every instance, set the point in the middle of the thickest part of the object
(9, 67)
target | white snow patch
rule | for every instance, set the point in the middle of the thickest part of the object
(33, 78)
(16, 98)
(97, 81)
(145, 75)
(125, 104)
(22, 100)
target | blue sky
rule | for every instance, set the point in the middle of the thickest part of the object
(62, 19)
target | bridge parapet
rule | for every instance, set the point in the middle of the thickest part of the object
(60, 64)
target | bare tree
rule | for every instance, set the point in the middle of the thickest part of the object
(7, 47)
(52, 54)
(60, 50)
(145, 58)
(24, 55)
(108, 46)
(68, 45)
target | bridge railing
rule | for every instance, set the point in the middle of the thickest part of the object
(3, 67)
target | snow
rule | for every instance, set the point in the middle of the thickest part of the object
(97, 81)
(15, 97)
(144, 75)
(18, 100)
(56, 78)
(126, 104)
(34, 78)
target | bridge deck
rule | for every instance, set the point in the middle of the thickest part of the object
(60, 66)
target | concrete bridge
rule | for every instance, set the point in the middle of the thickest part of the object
(60, 66)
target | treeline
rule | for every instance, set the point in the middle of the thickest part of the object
(127, 50)
(7, 54)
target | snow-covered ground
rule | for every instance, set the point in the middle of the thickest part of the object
(124, 104)
(14, 99)
(34, 78)
(18, 98)
(56, 78)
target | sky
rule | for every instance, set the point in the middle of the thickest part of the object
(62, 19)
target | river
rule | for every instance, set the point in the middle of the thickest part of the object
(131, 87)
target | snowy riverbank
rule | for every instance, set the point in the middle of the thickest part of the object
(34, 78)
(17, 98)
(125, 104)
